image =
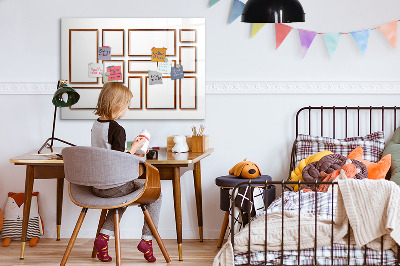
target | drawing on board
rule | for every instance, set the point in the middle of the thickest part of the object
(161, 60)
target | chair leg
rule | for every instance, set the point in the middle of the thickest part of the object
(117, 239)
(223, 229)
(73, 237)
(154, 230)
(101, 222)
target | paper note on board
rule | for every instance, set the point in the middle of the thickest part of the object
(158, 54)
(115, 73)
(155, 78)
(104, 53)
(165, 67)
(95, 70)
(177, 72)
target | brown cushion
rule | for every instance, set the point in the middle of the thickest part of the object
(328, 164)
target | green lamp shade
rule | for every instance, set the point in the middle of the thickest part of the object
(73, 96)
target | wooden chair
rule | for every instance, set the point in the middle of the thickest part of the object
(85, 167)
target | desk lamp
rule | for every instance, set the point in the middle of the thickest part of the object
(63, 97)
(273, 11)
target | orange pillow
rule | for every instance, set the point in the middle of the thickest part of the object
(375, 170)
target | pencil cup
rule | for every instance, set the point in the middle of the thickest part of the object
(200, 143)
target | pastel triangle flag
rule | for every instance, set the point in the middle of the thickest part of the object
(213, 2)
(332, 41)
(306, 39)
(237, 9)
(389, 30)
(361, 37)
(256, 28)
(281, 31)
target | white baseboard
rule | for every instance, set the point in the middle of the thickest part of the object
(248, 87)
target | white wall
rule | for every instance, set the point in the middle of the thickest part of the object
(259, 127)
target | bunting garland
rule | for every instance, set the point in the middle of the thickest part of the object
(213, 2)
(256, 27)
(281, 31)
(361, 37)
(306, 39)
(332, 41)
(389, 30)
(237, 9)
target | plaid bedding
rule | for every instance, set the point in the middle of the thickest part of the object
(324, 257)
(372, 145)
(322, 207)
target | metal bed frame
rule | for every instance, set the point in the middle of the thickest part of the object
(284, 184)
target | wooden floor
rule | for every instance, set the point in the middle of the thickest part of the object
(50, 252)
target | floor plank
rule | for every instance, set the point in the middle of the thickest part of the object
(50, 252)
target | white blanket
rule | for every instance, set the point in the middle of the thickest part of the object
(373, 209)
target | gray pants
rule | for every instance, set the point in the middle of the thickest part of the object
(154, 208)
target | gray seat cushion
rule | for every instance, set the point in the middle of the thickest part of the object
(83, 196)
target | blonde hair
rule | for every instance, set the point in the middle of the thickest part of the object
(113, 97)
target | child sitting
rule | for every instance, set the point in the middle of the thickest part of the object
(106, 133)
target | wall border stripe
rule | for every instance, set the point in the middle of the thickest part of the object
(251, 87)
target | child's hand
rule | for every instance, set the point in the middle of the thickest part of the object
(142, 155)
(137, 144)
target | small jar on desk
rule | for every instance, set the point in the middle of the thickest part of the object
(226, 183)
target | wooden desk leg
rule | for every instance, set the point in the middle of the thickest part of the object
(176, 182)
(223, 229)
(199, 204)
(27, 206)
(60, 190)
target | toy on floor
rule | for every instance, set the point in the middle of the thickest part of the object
(245, 169)
(180, 144)
(13, 215)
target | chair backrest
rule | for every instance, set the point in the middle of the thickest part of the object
(91, 166)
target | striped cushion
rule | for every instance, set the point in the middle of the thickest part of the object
(13, 228)
(372, 145)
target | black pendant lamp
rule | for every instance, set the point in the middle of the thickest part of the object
(273, 11)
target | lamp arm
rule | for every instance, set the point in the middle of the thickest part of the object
(46, 143)
(54, 126)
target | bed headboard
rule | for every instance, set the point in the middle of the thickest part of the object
(344, 121)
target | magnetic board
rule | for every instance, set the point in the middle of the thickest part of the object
(131, 41)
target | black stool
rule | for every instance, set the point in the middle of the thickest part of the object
(226, 183)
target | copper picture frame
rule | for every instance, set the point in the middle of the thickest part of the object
(180, 35)
(80, 88)
(70, 50)
(146, 98)
(145, 70)
(195, 93)
(123, 70)
(129, 41)
(141, 91)
(195, 58)
(123, 40)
